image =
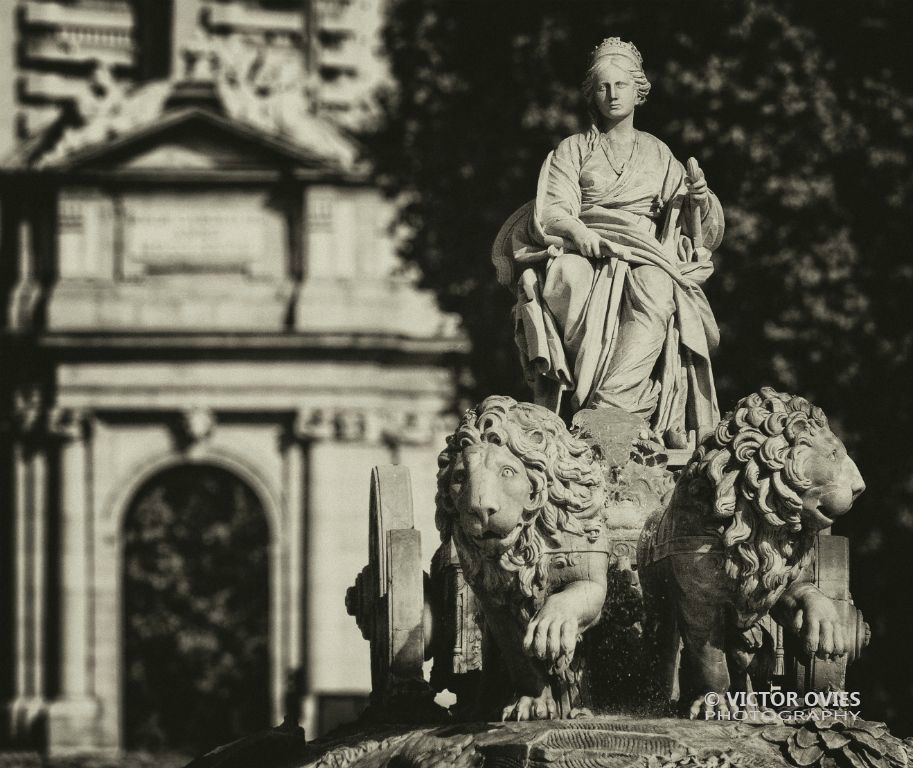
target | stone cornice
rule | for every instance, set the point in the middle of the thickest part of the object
(394, 426)
(332, 344)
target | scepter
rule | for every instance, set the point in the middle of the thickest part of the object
(697, 234)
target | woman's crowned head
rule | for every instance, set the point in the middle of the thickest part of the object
(621, 54)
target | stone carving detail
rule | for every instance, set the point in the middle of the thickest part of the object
(314, 424)
(827, 741)
(34, 419)
(68, 423)
(603, 742)
(523, 501)
(727, 758)
(737, 543)
(428, 750)
(352, 425)
(253, 84)
(457, 630)
(367, 426)
(617, 220)
(195, 425)
(28, 408)
(545, 543)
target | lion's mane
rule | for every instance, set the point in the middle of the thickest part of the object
(561, 471)
(745, 475)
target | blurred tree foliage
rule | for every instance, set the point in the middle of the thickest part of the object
(196, 604)
(801, 114)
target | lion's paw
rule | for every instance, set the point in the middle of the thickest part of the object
(713, 706)
(541, 707)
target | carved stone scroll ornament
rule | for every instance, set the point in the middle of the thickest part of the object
(195, 425)
(28, 408)
(68, 423)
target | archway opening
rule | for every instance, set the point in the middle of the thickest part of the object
(195, 611)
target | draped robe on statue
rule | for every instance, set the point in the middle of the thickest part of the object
(633, 329)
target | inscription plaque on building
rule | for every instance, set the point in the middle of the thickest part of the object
(208, 232)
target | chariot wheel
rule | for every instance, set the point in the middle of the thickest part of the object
(388, 599)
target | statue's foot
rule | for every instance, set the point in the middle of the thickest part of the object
(676, 437)
(541, 707)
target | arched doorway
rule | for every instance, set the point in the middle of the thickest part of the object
(195, 611)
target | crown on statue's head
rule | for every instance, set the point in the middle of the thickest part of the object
(615, 46)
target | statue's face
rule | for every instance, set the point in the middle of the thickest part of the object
(615, 94)
(834, 478)
(490, 491)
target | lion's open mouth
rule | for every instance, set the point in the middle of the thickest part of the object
(492, 543)
(818, 518)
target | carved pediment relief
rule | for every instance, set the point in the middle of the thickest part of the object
(194, 139)
(242, 98)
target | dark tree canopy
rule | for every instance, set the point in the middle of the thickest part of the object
(801, 114)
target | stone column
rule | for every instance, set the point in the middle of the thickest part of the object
(294, 489)
(30, 572)
(343, 447)
(30, 582)
(72, 718)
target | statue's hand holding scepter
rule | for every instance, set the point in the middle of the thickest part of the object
(699, 195)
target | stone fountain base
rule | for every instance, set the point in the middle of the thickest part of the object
(608, 741)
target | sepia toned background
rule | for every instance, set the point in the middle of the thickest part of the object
(208, 343)
(244, 257)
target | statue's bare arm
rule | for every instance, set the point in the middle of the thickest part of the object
(585, 239)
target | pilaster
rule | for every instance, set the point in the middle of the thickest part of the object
(72, 718)
(30, 514)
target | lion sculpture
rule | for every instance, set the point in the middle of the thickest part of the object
(523, 501)
(734, 548)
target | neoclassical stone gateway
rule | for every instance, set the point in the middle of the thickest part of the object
(199, 272)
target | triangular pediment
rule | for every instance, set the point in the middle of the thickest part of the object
(195, 140)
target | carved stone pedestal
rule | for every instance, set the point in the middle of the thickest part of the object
(618, 741)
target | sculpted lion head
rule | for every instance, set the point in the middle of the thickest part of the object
(511, 481)
(773, 474)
